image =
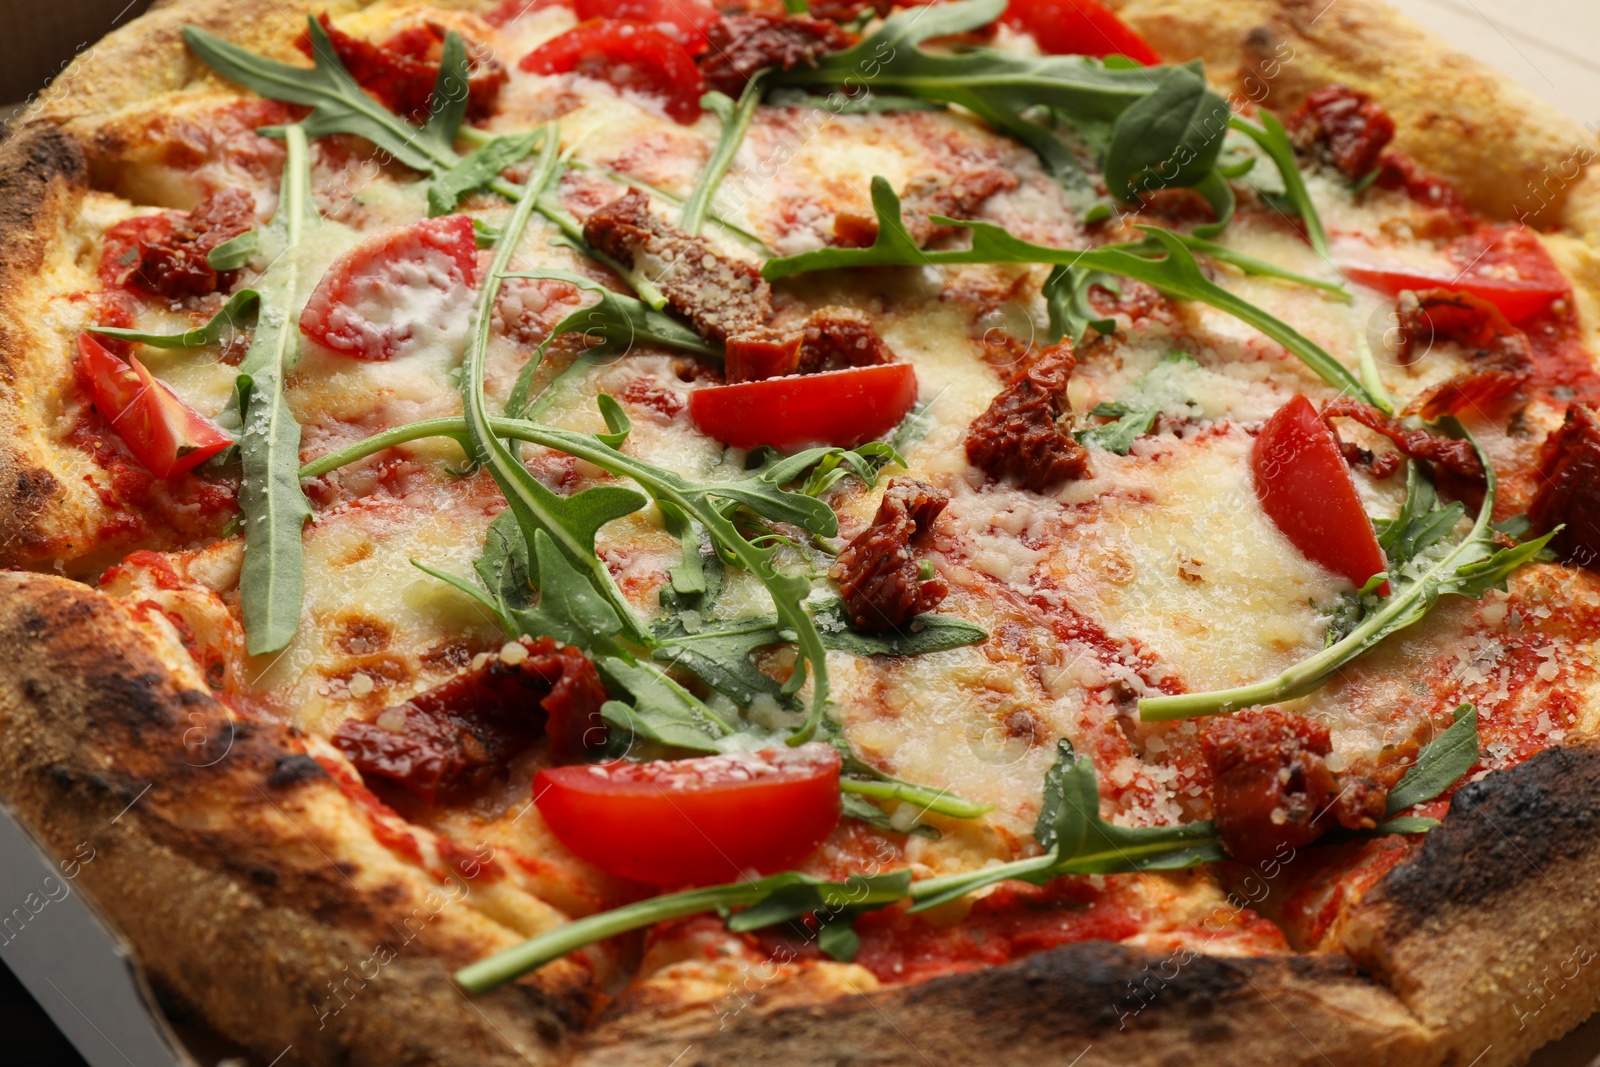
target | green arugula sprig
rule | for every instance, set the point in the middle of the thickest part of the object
(736, 118)
(341, 106)
(339, 103)
(1422, 567)
(237, 313)
(479, 169)
(766, 901)
(235, 252)
(613, 324)
(274, 509)
(1440, 765)
(1274, 141)
(705, 503)
(1075, 838)
(1176, 273)
(1010, 91)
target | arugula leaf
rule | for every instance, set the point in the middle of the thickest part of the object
(505, 567)
(928, 632)
(1117, 436)
(1077, 840)
(504, 966)
(274, 509)
(719, 652)
(447, 105)
(231, 317)
(1274, 141)
(235, 252)
(1001, 88)
(1066, 301)
(1422, 568)
(735, 124)
(1171, 137)
(478, 169)
(339, 103)
(569, 523)
(615, 322)
(1176, 273)
(803, 897)
(1439, 765)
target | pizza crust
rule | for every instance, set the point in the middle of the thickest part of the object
(283, 921)
(96, 702)
(1509, 154)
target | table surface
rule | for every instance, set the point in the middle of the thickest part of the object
(1547, 45)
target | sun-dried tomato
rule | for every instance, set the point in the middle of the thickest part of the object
(1502, 357)
(1271, 785)
(1569, 488)
(840, 337)
(166, 254)
(1451, 454)
(879, 574)
(740, 45)
(1018, 435)
(401, 71)
(458, 736)
(1347, 125)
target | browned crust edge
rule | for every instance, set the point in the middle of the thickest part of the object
(264, 917)
(42, 180)
(1489, 929)
(245, 916)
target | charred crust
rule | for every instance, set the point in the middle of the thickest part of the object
(1132, 1005)
(287, 770)
(1501, 833)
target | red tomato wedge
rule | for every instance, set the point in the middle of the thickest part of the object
(630, 55)
(694, 821)
(1518, 300)
(1079, 28)
(163, 433)
(685, 20)
(1304, 485)
(841, 407)
(394, 288)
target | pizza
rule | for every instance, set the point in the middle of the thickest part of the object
(611, 531)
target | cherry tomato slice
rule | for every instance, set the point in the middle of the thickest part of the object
(163, 433)
(694, 821)
(684, 20)
(1079, 28)
(1518, 300)
(630, 55)
(841, 407)
(381, 295)
(1305, 487)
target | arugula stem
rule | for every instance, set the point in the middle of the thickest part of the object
(734, 127)
(930, 892)
(1274, 141)
(504, 966)
(272, 505)
(528, 498)
(935, 800)
(1403, 608)
(473, 136)
(480, 427)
